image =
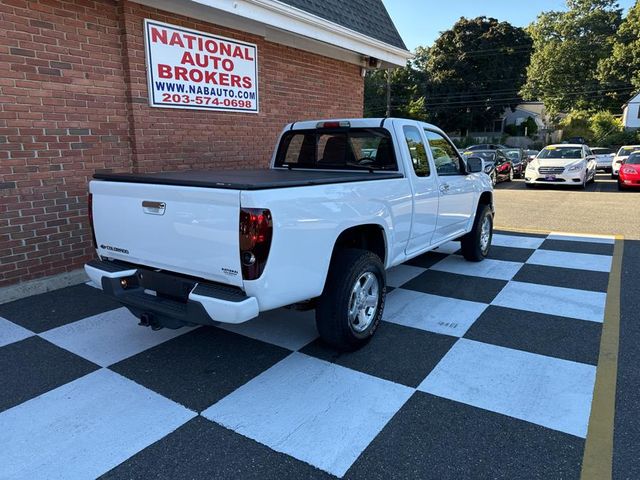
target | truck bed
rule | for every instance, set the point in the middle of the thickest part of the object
(258, 179)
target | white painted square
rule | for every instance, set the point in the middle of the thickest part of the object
(580, 261)
(565, 302)
(576, 237)
(11, 333)
(449, 247)
(315, 411)
(516, 241)
(432, 313)
(543, 390)
(84, 428)
(109, 337)
(488, 268)
(398, 276)
(282, 327)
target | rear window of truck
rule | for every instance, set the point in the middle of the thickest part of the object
(340, 149)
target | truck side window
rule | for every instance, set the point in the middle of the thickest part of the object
(417, 151)
(445, 155)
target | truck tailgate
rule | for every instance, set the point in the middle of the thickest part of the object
(188, 230)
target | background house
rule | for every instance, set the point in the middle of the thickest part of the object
(631, 113)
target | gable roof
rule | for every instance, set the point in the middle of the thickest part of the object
(635, 97)
(368, 17)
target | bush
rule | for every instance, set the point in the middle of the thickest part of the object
(603, 124)
(511, 130)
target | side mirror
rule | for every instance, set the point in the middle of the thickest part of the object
(474, 165)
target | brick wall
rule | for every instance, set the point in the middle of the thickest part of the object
(73, 100)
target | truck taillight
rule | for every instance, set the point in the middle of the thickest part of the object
(256, 229)
(90, 215)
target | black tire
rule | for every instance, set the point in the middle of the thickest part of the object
(529, 185)
(471, 245)
(332, 311)
(620, 187)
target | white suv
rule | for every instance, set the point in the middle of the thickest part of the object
(620, 157)
(564, 164)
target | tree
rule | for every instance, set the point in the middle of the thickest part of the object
(475, 70)
(623, 65)
(407, 91)
(567, 49)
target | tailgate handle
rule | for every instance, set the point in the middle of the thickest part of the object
(154, 208)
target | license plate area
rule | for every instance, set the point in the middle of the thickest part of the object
(165, 284)
(550, 178)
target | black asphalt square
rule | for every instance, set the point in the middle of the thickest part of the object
(437, 438)
(203, 449)
(563, 277)
(510, 254)
(401, 354)
(550, 335)
(200, 367)
(426, 260)
(578, 247)
(453, 285)
(521, 234)
(43, 312)
(33, 366)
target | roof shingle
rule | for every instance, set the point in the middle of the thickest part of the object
(368, 17)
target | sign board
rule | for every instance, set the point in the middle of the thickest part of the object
(196, 70)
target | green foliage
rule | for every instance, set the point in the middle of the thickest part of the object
(623, 65)
(577, 124)
(529, 126)
(568, 46)
(407, 92)
(600, 128)
(475, 70)
(511, 130)
(603, 124)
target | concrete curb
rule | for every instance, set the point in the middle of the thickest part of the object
(42, 285)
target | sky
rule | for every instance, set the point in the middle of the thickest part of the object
(421, 21)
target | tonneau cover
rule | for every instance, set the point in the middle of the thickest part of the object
(258, 179)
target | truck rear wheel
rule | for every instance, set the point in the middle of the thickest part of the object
(475, 244)
(351, 305)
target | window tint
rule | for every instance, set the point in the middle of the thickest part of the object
(634, 159)
(445, 156)
(352, 149)
(417, 151)
(561, 152)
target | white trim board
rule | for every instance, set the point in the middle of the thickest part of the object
(286, 25)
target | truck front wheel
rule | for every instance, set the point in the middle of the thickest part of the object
(350, 308)
(475, 244)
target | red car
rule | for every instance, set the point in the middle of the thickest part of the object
(629, 176)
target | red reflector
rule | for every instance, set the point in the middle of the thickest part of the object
(333, 124)
(256, 229)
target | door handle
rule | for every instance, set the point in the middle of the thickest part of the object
(444, 188)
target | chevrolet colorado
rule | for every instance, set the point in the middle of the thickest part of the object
(342, 201)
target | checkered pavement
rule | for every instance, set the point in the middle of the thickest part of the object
(479, 370)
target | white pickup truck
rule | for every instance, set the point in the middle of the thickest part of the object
(342, 201)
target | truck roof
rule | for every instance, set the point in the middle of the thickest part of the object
(357, 123)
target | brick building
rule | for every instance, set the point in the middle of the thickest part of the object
(74, 99)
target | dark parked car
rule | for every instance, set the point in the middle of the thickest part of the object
(497, 165)
(485, 146)
(518, 160)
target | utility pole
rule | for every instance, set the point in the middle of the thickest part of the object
(388, 114)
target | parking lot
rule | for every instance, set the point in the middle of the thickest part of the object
(501, 369)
